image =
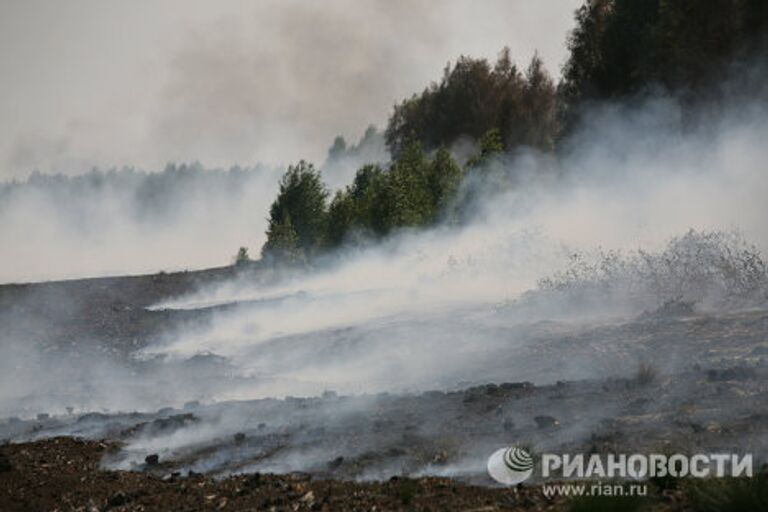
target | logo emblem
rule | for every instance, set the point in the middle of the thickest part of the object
(510, 466)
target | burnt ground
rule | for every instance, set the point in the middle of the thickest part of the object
(714, 398)
(107, 313)
(63, 474)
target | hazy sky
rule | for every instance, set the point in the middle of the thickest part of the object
(112, 83)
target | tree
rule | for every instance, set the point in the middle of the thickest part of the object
(341, 217)
(539, 108)
(338, 149)
(490, 145)
(300, 210)
(411, 202)
(442, 180)
(621, 48)
(373, 201)
(282, 243)
(584, 45)
(242, 257)
(474, 97)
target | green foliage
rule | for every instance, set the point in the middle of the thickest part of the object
(443, 178)
(414, 191)
(298, 217)
(539, 125)
(341, 218)
(372, 199)
(282, 242)
(620, 47)
(490, 145)
(473, 98)
(411, 201)
(364, 208)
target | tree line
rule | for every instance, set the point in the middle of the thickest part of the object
(618, 49)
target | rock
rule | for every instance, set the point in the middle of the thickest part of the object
(336, 463)
(239, 437)
(152, 460)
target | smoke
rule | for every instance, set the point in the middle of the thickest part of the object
(372, 318)
(271, 82)
(129, 222)
(375, 316)
(236, 82)
(438, 309)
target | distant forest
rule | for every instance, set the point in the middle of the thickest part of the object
(149, 196)
(440, 143)
(619, 50)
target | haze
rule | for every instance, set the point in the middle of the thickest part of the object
(109, 83)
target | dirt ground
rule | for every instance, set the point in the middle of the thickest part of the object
(63, 474)
(368, 452)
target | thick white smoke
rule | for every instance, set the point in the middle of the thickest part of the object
(634, 183)
(127, 222)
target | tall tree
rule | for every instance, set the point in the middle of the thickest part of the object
(472, 98)
(300, 208)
